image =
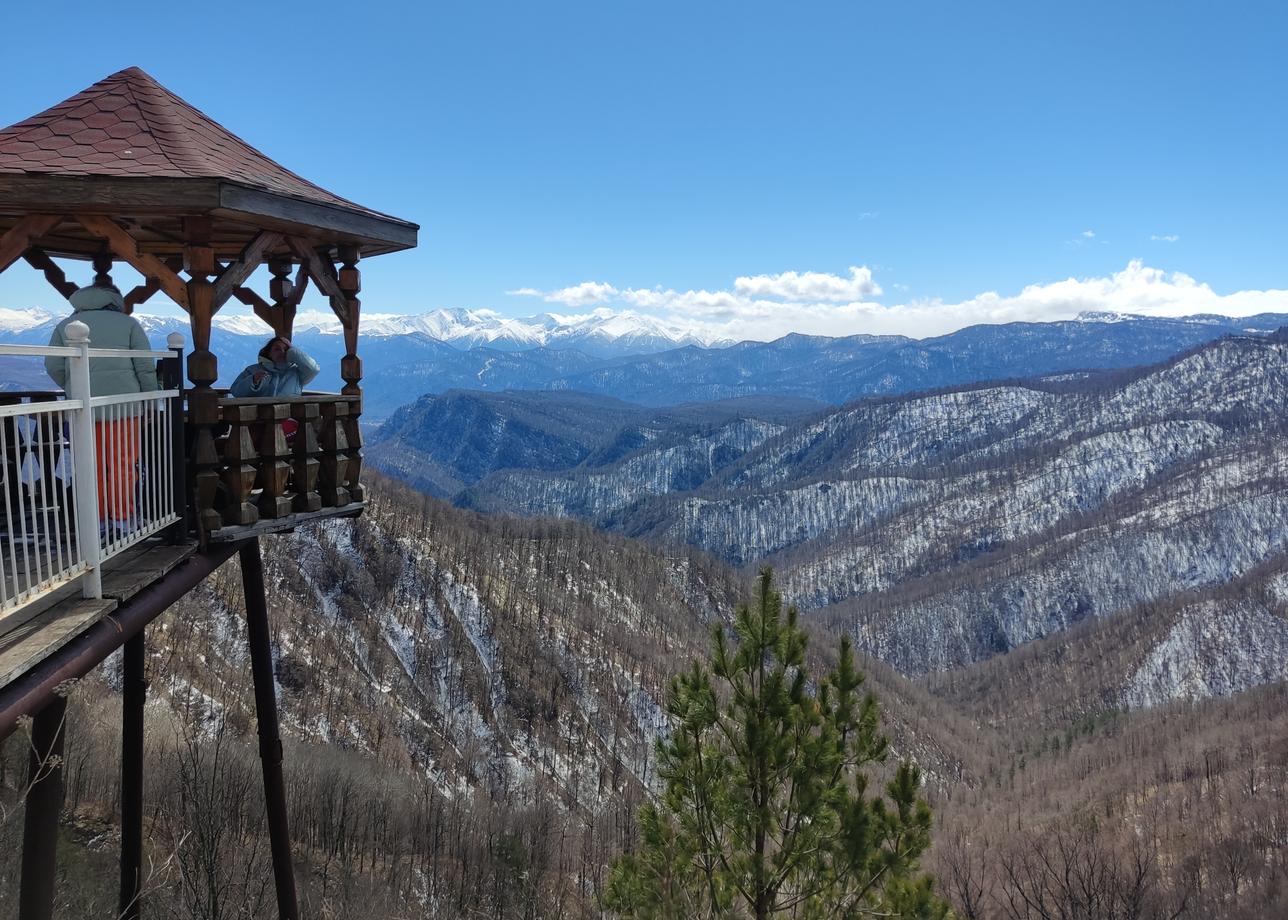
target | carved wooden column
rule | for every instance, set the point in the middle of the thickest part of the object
(203, 371)
(103, 268)
(350, 281)
(304, 457)
(240, 463)
(281, 290)
(274, 471)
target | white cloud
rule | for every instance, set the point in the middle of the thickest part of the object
(765, 307)
(1086, 237)
(1164, 237)
(810, 285)
(586, 294)
(525, 292)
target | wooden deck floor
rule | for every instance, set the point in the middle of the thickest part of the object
(267, 526)
(59, 617)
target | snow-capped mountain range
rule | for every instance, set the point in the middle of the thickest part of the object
(602, 333)
(640, 359)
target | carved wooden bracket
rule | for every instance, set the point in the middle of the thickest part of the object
(18, 238)
(323, 275)
(40, 260)
(144, 291)
(124, 246)
(237, 272)
(263, 309)
(275, 316)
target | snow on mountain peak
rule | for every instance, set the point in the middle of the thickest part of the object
(15, 321)
(599, 330)
(1104, 316)
(602, 330)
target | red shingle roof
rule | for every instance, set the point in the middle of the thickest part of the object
(129, 125)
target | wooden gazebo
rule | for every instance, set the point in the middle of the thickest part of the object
(126, 171)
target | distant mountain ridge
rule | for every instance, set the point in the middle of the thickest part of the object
(602, 333)
(624, 357)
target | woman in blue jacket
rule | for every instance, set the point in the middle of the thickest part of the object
(283, 370)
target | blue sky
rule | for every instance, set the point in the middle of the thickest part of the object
(950, 149)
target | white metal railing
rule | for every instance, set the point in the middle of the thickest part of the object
(84, 477)
(40, 549)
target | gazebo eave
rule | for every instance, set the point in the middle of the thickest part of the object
(237, 212)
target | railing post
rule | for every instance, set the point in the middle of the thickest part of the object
(274, 471)
(305, 457)
(334, 472)
(84, 461)
(178, 449)
(241, 464)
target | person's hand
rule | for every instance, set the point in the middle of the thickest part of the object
(286, 343)
(258, 377)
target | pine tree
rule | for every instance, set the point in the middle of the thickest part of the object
(765, 810)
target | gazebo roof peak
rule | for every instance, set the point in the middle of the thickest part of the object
(127, 132)
(128, 124)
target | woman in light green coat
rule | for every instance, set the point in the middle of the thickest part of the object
(103, 310)
(116, 440)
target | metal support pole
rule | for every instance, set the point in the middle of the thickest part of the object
(28, 694)
(44, 802)
(133, 698)
(270, 742)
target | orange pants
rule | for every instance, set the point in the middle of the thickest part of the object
(116, 444)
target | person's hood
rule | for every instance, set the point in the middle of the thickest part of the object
(96, 298)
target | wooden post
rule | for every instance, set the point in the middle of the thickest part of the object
(103, 268)
(240, 464)
(203, 371)
(281, 290)
(334, 470)
(274, 471)
(44, 802)
(133, 697)
(270, 742)
(350, 281)
(304, 457)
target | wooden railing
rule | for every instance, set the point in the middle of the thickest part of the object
(277, 460)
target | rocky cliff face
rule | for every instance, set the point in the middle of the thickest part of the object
(524, 659)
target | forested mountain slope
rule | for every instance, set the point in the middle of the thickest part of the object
(470, 704)
(945, 527)
(444, 444)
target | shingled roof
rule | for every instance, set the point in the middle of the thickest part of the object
(129, 127)
(128, 124)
